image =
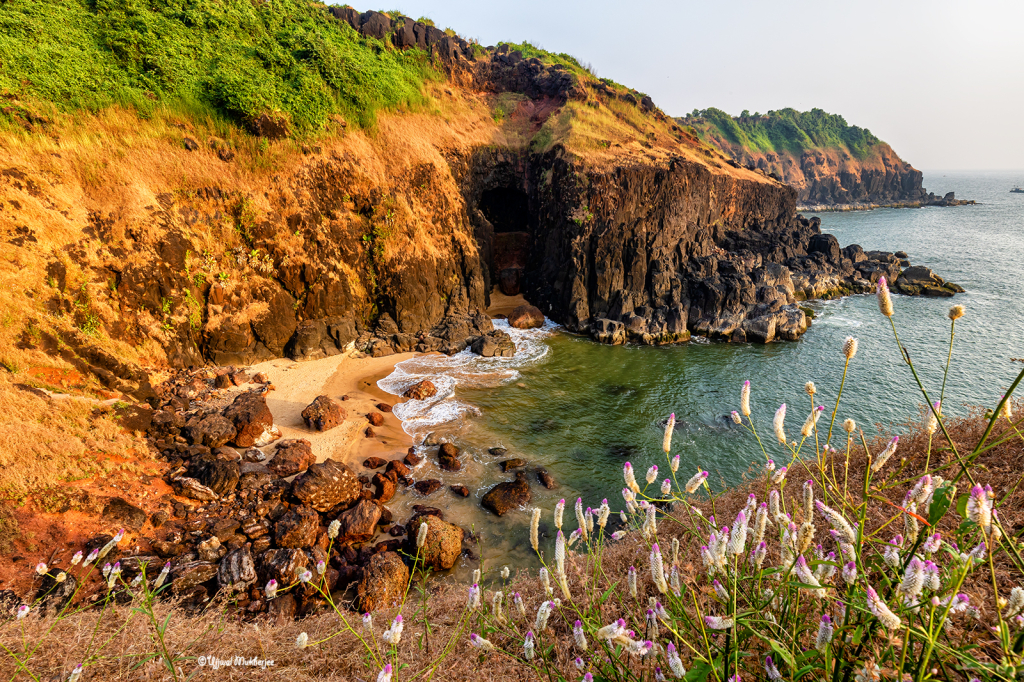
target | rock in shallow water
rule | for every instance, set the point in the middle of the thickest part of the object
(421, 390)
(494, 344)
(509, 495)
(526, 317)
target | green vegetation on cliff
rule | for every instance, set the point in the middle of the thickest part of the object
(288, 60)
(786, 130)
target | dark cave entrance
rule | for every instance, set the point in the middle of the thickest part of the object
(508, 211)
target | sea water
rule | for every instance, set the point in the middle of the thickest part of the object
(581, 409)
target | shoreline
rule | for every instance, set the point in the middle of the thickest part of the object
(353, 382)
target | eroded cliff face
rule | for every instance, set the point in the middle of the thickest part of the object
(834, 176)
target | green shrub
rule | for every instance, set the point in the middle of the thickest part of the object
(236, 58)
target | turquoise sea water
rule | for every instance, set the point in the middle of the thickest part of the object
(581, 409)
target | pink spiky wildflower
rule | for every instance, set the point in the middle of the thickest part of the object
(695, 482)
(850, 573)
(385, 673)
(884, 298)
(579, 636)
(271, 589)
(979, 508)
(658, 569)
(771, 669)
(393, 635)
(878, 608)
(718, 622)
(675, 663)
(480, 643)
(630, 477)
(885, 454)
(559, 510)
(528, 646)
(825, 631)
(811, 422)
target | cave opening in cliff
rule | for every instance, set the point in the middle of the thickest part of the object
(507, 209)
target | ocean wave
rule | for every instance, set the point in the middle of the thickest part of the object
(465, 369)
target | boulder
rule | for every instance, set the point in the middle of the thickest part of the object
(421, 390)
(120, 512)
(237, 570)
(219, 475)
(510, 281)
(398, 467)
(297, 528)
(384, 407)
(323, 414)
(508, 495)
(211, 431)
(460, 490)
(443, 545)
(514, 463)
(526, 317)
(428, 486)
(411, 458)
(448, 457)
(210, 549)
(384, 581)
(608, 331)
(546, 479)
(359, 524)
(250, 416)
(293, 456)
(282, 565)
(375, 419)
(327, 485)
(193, 489)
(374, 462)
(184, 577)
(383, 488)
(494, 344)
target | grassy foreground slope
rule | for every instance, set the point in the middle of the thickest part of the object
(286, 59)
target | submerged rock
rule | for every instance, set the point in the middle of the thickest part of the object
(448, 457)
(508, 495)
(421, 390)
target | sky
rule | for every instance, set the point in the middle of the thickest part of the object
(940, 81)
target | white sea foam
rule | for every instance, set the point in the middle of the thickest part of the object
(465, 369)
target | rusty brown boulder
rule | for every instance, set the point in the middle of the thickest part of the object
(384, 581)
(292, 457)
(327, 485)
(526, 317)
(359, 524)
(421, 390)
(323, 413)
(443, 545)
(251, 417)
(297, 528)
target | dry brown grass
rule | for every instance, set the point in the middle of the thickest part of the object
(219, 633)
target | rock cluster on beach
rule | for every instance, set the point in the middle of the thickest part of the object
(249, 516)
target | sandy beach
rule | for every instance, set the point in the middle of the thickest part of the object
(350, 379)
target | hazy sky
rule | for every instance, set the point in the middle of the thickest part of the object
(942, 82)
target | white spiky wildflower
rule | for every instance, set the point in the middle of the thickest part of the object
(721, 593)
(718, 622)
(844, 531)
(545, 581)
(849, 348)
(559, 510)
(368, 622)
(879, 609)
(302, 641)
(1015, 603)
(480, 643)
(825, 631)
(745, 399)
(673, 581)
(630, 477)
(812, 420)
(105, 550)
(885, 454)
(666, 443)
(738, 541)
(305, 576)
(618, 535)
(932, 422)
(884, 298)
(652, 474)
(933, 581)
(271, 589)
(333, 529)
(496, 605)
(519, 604)
(695, 482)
(773, 505)
(1006, 411)
(581, 519)
(421, 535)
(476, 575)
(891, 556)
(76, 674)
(528, 646)
(560, 552)
(780, 476)
(631, 581)
(543, 613)
(650, 526)
(23, 611)
(849, 425)
(805, 574)
(589, 516)
(913, 579)
(666, 487)
(535, 529)
(979, 508)
(758, 554)
(850, 573)
(932, 544)
(675, 663)
(736, 418)
(579, 636)
(658, 569)
(393, 635)
(771, 669)
(603, 512)
(385, 673)
(473, 597)
(778, 423)
(806, 537)
(808, 499)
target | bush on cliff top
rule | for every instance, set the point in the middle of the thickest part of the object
(237, 58)
(786, 130)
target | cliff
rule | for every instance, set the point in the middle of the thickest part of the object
(827, 161)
